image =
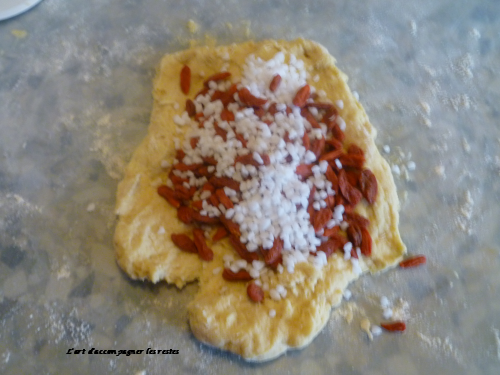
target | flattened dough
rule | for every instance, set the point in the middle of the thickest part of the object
(221, 314)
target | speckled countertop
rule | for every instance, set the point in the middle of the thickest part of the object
(75, 82)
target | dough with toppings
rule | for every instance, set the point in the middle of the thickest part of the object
(221, 314)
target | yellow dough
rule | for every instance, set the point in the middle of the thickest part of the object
(221, 313)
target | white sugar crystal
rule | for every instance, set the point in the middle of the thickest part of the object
(387, 313)
(384, 302)
(347, 294)
(274, 294)
(376, 330)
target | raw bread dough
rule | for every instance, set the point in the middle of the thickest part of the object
(221, 313)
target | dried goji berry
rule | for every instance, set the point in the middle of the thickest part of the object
(198, 205)
(332, 155)
(255, 292)
(217, 95)
(310, 118)
(182, 193)
(331, 231)
(353, 176)
(350, 193)
(227, 115)
(241, 275)
(354, 218)
(321, 105)
(176, 180)
(332, 177)
(220, 182)
(167, 193)
(355, 150)
(337, 133)
(322, 217)
(366, 242)
(220, 234)
(204, 251)
(242, 139)
(185, 214)
(250, 100)
(207, 186)
(334, 144)
(217, 77)
(183, 242)
(271, 255)
(273, 109)
(205, 219)
(185, 79)
(259, 112)
(203, 172)
(213, 200)
(180, 154)
(354, 234)
(231, 226)
(301, 96)
(318, 146)
(210, 160)
(306, 141)
(335, 242)
(241, 249)
(368, 185)
(394, 326)
(186, 167)
(352, 160)
(190, 108)
(223, 198)
(194, 141)
(220, 132)
(202, 92)
(413, 261)
(275, 82)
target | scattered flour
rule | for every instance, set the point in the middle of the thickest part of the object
(413, 27)
(463, 219)
(346, 311)
(474, 33)
(67, 326)
(401, 163)
(461, 101)
(64, 272)
(192, 26)
(439, 170)
(465, 145)
(14, 201)
(443, 345)
(496, 332)
(114, 164)
(400, 310)
(464, 65)
(6, 356)
(425, 107)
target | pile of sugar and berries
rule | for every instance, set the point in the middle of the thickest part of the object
(268, 171)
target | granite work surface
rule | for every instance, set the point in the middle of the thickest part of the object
(75, 83)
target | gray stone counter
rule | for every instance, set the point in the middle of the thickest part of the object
(75, 83)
